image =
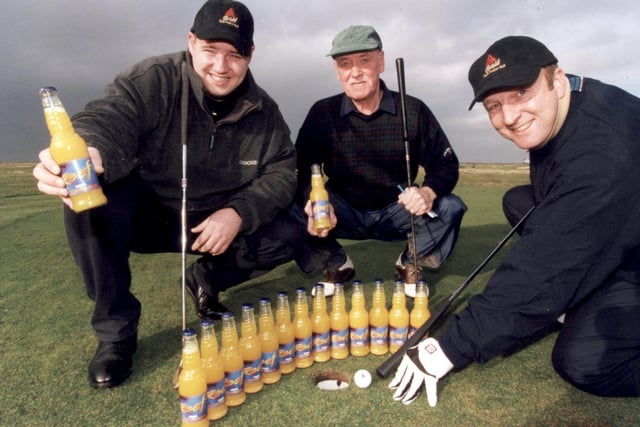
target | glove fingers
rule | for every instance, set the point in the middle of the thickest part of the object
(414, 389)
(401, 391)
(395, 382)
(431, 388)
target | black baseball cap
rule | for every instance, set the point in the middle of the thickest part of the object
(510, 62)
(225, 20)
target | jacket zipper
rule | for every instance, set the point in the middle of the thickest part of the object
(212, 139)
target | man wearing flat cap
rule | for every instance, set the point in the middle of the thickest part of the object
(240, 179)
(357, 137)
(576, 266)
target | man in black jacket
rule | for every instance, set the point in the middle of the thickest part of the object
(578, 256)
(240, 170)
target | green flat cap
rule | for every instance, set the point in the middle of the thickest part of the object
(356, 38)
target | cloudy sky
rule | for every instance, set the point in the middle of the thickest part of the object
(79, 45)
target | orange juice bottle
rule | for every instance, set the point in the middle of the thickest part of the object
(302, 330)
(358, 322)
(270, 369)
(320, 326)
(251, 351)
(398, 318)
(192, 384)
(70, 152)
(213, 368)
(420, 312)
(339, 324)
(231, 354)
(286, 336)
(319, 200)
(379, 320)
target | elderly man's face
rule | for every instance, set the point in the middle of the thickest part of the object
(359, 74)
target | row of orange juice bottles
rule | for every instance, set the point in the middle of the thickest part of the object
(212, 380)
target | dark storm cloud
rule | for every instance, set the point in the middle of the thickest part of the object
(79, 46)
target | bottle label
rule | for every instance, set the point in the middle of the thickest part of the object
(397, 336)
(320, 209)
(359, 337)
(321, 342)
(193, 408)
(303, 348)
(379, 335)
(286, 353)
(233, 383)
(270, 362)
(251, 370)
(215, 394)
(79, 176)
(339, 338)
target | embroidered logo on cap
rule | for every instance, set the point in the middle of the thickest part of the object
(492, 65)
(230, 18)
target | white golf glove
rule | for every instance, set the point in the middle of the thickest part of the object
(424, 363)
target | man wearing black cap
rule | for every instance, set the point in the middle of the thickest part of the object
(578, 256)
(357, 136)
(240, 171)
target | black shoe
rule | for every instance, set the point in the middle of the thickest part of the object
(111, 364)
(207, 306)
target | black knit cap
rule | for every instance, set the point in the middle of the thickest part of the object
(512, 61)
(225, 20)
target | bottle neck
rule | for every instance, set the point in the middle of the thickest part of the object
(229, 335)
(317, 181)
(190, 354)
(248, 326)
(398, 299)
(208, 342)
(357, 298)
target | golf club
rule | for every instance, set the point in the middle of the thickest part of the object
(183, 207)
(405, 137)
(392, 362)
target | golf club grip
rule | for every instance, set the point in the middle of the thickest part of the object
(394, 360)
(402, 89)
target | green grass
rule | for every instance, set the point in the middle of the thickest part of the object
(46, 340)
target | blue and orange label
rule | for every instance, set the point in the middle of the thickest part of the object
(286, 353)
(193, 408)
(233, 382)
(398, 336)
(270, 362)
(359, 337)
(303, 348)
(252, 370)
(215, 394)
(79, 176)
(379, 335)
(339, 338)
(321, 342)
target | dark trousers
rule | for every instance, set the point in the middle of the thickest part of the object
(434, 236)
(102, 239)
(598, 347)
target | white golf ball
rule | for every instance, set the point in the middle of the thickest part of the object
(362, 378)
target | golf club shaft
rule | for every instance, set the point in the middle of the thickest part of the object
(405, 136)
(394, 360)
(183, 233)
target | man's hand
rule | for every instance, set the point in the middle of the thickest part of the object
(217, 231)
(424, 363)
(418, 201)
(47, 172)
(310, 228)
